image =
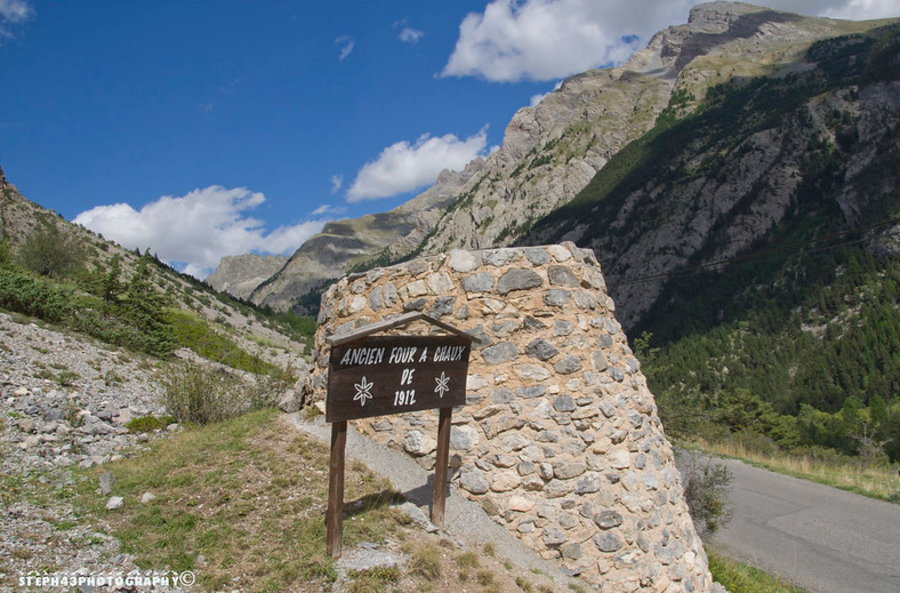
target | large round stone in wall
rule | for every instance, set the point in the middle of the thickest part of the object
(559, 438)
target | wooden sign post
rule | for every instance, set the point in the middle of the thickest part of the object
(372, 376)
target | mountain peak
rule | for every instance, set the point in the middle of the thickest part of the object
(717, 17)
(239, 275)
(739, 30)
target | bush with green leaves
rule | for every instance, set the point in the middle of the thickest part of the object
(6, 255)
(200, 394)
(149, 423)
(136, 320)
(49, 252)
(706, 491)
(40, 297)
(193, 332)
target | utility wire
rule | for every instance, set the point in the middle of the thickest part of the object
(759, 254)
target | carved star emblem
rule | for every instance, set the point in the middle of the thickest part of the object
(363, 391)
(443, 385)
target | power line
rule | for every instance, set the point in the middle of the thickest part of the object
(759, 254)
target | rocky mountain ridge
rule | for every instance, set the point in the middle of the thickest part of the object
(568, 137)
(239, 275)
(340, 245)
(808, 140)
(553, 150)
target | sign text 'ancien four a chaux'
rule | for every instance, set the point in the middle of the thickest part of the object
(381, 375)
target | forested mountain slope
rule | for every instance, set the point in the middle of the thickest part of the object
(756, 239)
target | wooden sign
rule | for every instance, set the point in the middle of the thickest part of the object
(378, 375)
(381, 375)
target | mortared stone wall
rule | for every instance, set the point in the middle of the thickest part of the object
(559, 439)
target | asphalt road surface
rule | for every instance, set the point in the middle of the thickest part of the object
(822, 539)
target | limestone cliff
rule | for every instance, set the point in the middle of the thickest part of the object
(240, 275)
(328, 254)
(817, 138)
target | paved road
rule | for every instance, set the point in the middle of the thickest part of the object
(823, 539)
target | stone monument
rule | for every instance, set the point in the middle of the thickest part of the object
(559, 439)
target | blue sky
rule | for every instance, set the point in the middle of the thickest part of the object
(206, 128)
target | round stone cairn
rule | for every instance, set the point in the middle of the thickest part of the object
(559, 439)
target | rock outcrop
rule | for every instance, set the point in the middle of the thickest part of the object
(340, 245)
(559, 438)
(240, 275)
(818, 142)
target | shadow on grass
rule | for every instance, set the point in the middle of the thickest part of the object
(371, 502)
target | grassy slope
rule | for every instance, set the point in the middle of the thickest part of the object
(241, 504)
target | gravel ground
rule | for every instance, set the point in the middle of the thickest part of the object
(64, 402)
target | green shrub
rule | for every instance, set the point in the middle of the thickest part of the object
(48, 252)
(39, 297)
(6, 256)
(191, 332)
(67, 378)
(73, 415)
(136, 322)
(111, 377)
(706, 489)
(201, 395)
(149, 423)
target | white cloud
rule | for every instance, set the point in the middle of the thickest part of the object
(403, 167)
(857, 10)
(409, 35)
(198, 228)
(328, 209)
(346, 44)
(337, 181)
(229, 87)
(13, 12)
(547, 39)
(516, 40)
(535, 99)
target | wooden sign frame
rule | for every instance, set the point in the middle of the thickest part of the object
(392, 375)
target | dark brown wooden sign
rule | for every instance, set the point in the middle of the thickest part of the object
(372, 375)
(381, 375)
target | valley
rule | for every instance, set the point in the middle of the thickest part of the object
(699, 247)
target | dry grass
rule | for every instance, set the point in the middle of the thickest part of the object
(241, 503)
(882, 482)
